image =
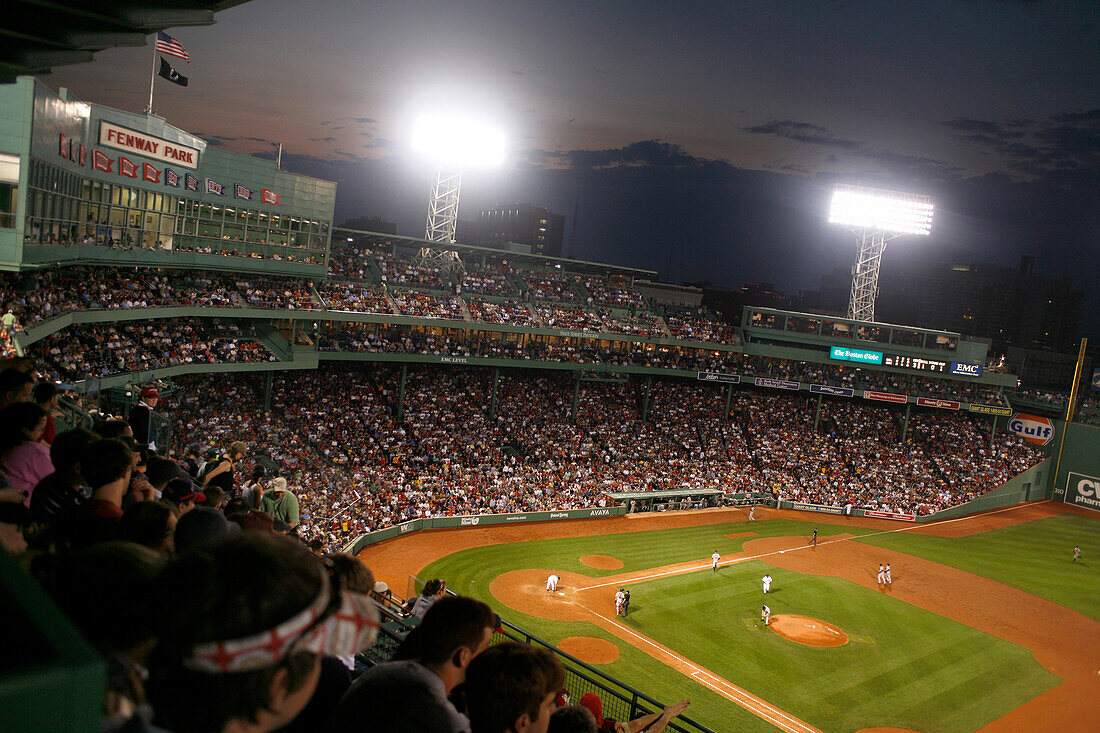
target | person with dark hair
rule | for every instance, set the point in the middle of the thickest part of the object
(191, 460)
(252, 490)
(107, 592)
(46, 396)
(58, 497)
(512, 688)
(572, 719)
(140, 415)
(433, 590)
(316, 546)
(150, 524)
(352, 574)
(15, 386)
(242, 625)
(215, 498)
(410, 693)
(113, 428)
(23, 457)
(182, 494)
(220, 472)
(202, 525)
(106, 465)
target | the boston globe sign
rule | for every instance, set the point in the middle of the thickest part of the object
(1083, 491)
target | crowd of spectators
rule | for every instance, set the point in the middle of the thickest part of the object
(397, 270)
(484, 281)
(617, 294)
(544, 288)
(424, 304)
(699, 325)
(102, 350)
(355, 297)
(504, 313)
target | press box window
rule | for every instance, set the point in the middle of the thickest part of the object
(9, 189)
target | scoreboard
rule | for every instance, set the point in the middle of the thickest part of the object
(916, 363)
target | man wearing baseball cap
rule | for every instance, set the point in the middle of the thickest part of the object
(280, 503)
(140, 413)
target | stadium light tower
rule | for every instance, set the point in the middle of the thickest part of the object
(454, 144)
(876, 216)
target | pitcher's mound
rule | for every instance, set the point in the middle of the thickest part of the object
(601, 562)
(590, 649)
(808, 631)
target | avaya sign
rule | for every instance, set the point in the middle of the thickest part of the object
(1032, 428)
(156, 148)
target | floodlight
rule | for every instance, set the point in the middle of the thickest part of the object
(458, 141)
(888, 211)
(876, 216)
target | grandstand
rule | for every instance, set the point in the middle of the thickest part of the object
(394, 397)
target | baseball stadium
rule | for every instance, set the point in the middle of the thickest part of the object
(794, 521)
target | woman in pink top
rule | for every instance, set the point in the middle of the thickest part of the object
(24, 459)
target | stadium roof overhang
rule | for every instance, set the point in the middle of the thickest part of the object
(38, 35)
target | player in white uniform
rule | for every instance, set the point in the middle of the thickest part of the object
(765, 614)
(767, 581)
(552, 583)
(714, 561)
(752, 511)
(620, 599)
(1076, 553)
(887, 575)
(881, 575)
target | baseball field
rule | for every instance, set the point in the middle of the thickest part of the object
(986, 625)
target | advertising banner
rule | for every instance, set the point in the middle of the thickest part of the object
(1096, 380)
(966, 370)
(776, 383)
(719, 377)
(830, 389)
(885, 397)
(942, 404)
(990, 409)
(167, 151)
(891, 515)
(1032, 428)
(1083, 491)
(860, 356)
(801, 507)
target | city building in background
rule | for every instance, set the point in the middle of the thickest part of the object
(535, 227)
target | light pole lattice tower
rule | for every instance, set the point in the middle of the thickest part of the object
(876, 217)
(443, 205)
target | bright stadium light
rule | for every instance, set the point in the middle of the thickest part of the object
(454, 143)
(876, 216)
(892, 212)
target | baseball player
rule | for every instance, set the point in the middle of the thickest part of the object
(767, 581)
(765, 614)
(626, 602)
(887, 575)
(1076, 553)
(552, 583)
(813, 539)
(881, 574)
(620, 599)
(752, 511)
(714, 561)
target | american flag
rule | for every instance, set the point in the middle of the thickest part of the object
(171, 47)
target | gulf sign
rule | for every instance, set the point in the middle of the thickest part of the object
(1032, 428)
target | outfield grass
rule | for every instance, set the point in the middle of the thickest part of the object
(1033, 556)
(903, 667)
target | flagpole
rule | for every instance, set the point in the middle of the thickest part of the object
(152, 77)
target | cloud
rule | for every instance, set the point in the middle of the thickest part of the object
(1064, 143)
(643, 153)
(980, 127)
(803, 132)
(322, 139)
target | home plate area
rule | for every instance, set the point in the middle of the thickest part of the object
(808, 631)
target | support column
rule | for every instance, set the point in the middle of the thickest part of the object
(817, 412)
(401, 393)
(493, 396)
(729, 396)
(905, 425)
(576, 399)
(268, 379)
(993, 432)
(645, 397)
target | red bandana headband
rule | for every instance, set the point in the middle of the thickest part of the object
(347, 631)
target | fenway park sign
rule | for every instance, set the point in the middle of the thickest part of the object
(157, 148)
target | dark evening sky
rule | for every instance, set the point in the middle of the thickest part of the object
(714, 130)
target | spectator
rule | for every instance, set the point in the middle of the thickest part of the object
(512, 688)
(140, 415)
(242, 627)
(58, 497)
(46, 396)
(182, 494)
(281, 504)
(652, 723)
(23, 457)
(572, 719)
(15, 386)
(200, 526)
(13, 518)
(220, 473)
(151, 524)
(252, 490)
(433, 590)
(409, 695)
(113, 428)
(106, 466)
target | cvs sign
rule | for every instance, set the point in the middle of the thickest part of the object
(1032, 428)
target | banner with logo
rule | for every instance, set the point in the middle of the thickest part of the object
(831, 390)
(804, 507)
(776, 383)
(1096, 380)
(1082, 490)
(1032, 428)
(966, 370)
(942, 404)
(891, 515)
(719, 377)
(990, 409)
(885, 397)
